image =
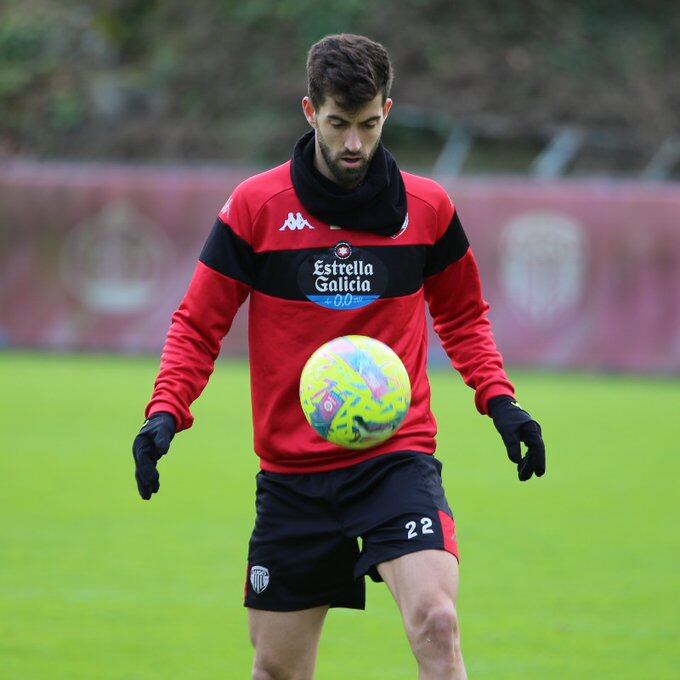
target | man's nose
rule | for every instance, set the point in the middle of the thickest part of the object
(353, 142)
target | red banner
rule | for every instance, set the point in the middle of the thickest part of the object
(582, 275)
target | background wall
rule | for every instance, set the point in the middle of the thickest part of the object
(579, 274)
(492, 98)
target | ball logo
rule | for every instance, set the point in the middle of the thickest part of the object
(259, 578)
(342, 277)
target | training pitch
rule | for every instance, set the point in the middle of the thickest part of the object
(569, 577)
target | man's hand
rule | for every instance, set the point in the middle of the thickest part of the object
(152, 442)
(516, 425)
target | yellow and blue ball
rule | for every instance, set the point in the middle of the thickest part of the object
(355, 391)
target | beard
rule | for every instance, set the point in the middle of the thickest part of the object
(347, 178)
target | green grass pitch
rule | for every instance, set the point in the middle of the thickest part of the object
(572, 576)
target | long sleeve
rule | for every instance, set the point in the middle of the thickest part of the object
(454, 294)
(220, 283)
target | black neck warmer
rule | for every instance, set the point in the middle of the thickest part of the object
(377, 205)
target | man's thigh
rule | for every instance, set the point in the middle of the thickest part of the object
(285, 642)
(425, 585)
(421, 580)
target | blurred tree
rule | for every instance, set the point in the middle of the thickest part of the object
(222, 79)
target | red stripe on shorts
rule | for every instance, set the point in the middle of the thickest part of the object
(449, 533)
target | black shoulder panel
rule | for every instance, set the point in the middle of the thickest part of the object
(450, 247)
(227, 253)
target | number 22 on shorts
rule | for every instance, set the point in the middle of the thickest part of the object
(412, 527)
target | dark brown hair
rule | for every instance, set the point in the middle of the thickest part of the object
(351, 68)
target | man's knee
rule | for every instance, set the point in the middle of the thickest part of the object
(280, 664)
(285, 643)
(266, 668)
(433, 633)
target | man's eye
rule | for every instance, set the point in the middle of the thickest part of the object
(337, 125)
(370, 125)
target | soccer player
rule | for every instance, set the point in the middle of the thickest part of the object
(341, 198)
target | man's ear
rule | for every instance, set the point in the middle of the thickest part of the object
(308, 110)
(386, 107)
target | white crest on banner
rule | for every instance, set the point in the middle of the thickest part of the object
(543, 265)
(114, 261)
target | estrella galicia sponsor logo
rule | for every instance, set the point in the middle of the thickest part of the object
(259, 578)
(342, 277)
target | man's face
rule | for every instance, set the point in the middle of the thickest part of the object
(346, 140)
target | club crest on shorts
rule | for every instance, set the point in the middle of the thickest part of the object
(259, 578)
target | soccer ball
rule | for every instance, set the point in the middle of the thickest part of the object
(355, 391)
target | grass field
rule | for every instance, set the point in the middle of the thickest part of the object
(573, 576)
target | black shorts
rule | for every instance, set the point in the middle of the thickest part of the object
(304, 551)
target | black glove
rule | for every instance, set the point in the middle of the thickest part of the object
(152, 442)
(516, 425)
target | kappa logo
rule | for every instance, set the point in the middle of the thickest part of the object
(295, 222)
(259, 578)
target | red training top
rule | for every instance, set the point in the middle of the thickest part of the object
(310, 282)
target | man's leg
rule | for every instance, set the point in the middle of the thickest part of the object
(285, 643)
(424, 585)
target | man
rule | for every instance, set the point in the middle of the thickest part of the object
(341, 197)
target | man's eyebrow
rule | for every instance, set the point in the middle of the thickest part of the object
(333, 116)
